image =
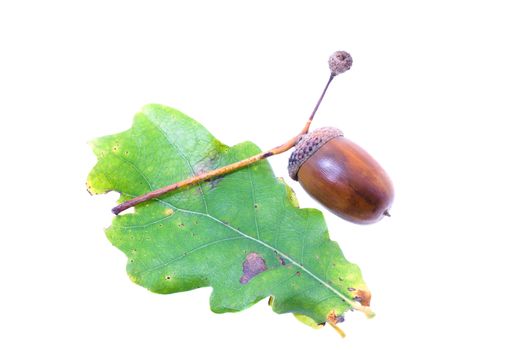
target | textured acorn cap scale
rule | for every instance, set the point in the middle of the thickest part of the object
(308, 145)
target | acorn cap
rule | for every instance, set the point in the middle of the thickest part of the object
(309, 144)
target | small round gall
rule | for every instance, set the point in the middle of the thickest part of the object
(339, 62)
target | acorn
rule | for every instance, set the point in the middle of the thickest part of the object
(341, 176)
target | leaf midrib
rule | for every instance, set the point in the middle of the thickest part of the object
(266, 245)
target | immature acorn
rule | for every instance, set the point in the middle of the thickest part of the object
(341, 176)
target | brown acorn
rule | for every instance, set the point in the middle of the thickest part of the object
(341, 176)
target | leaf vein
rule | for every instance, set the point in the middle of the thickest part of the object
(140, 172)
(176, 147)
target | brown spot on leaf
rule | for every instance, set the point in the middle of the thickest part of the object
(363, 296)
(253, 265)
(168, 211)
(333, 318)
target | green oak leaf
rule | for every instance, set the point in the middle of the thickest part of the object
(242, 234)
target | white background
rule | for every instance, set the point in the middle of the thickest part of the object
(436, 94)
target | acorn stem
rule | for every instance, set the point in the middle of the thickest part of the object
(225, 169)
(309, 121)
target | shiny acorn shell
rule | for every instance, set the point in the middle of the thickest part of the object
(341, 176)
